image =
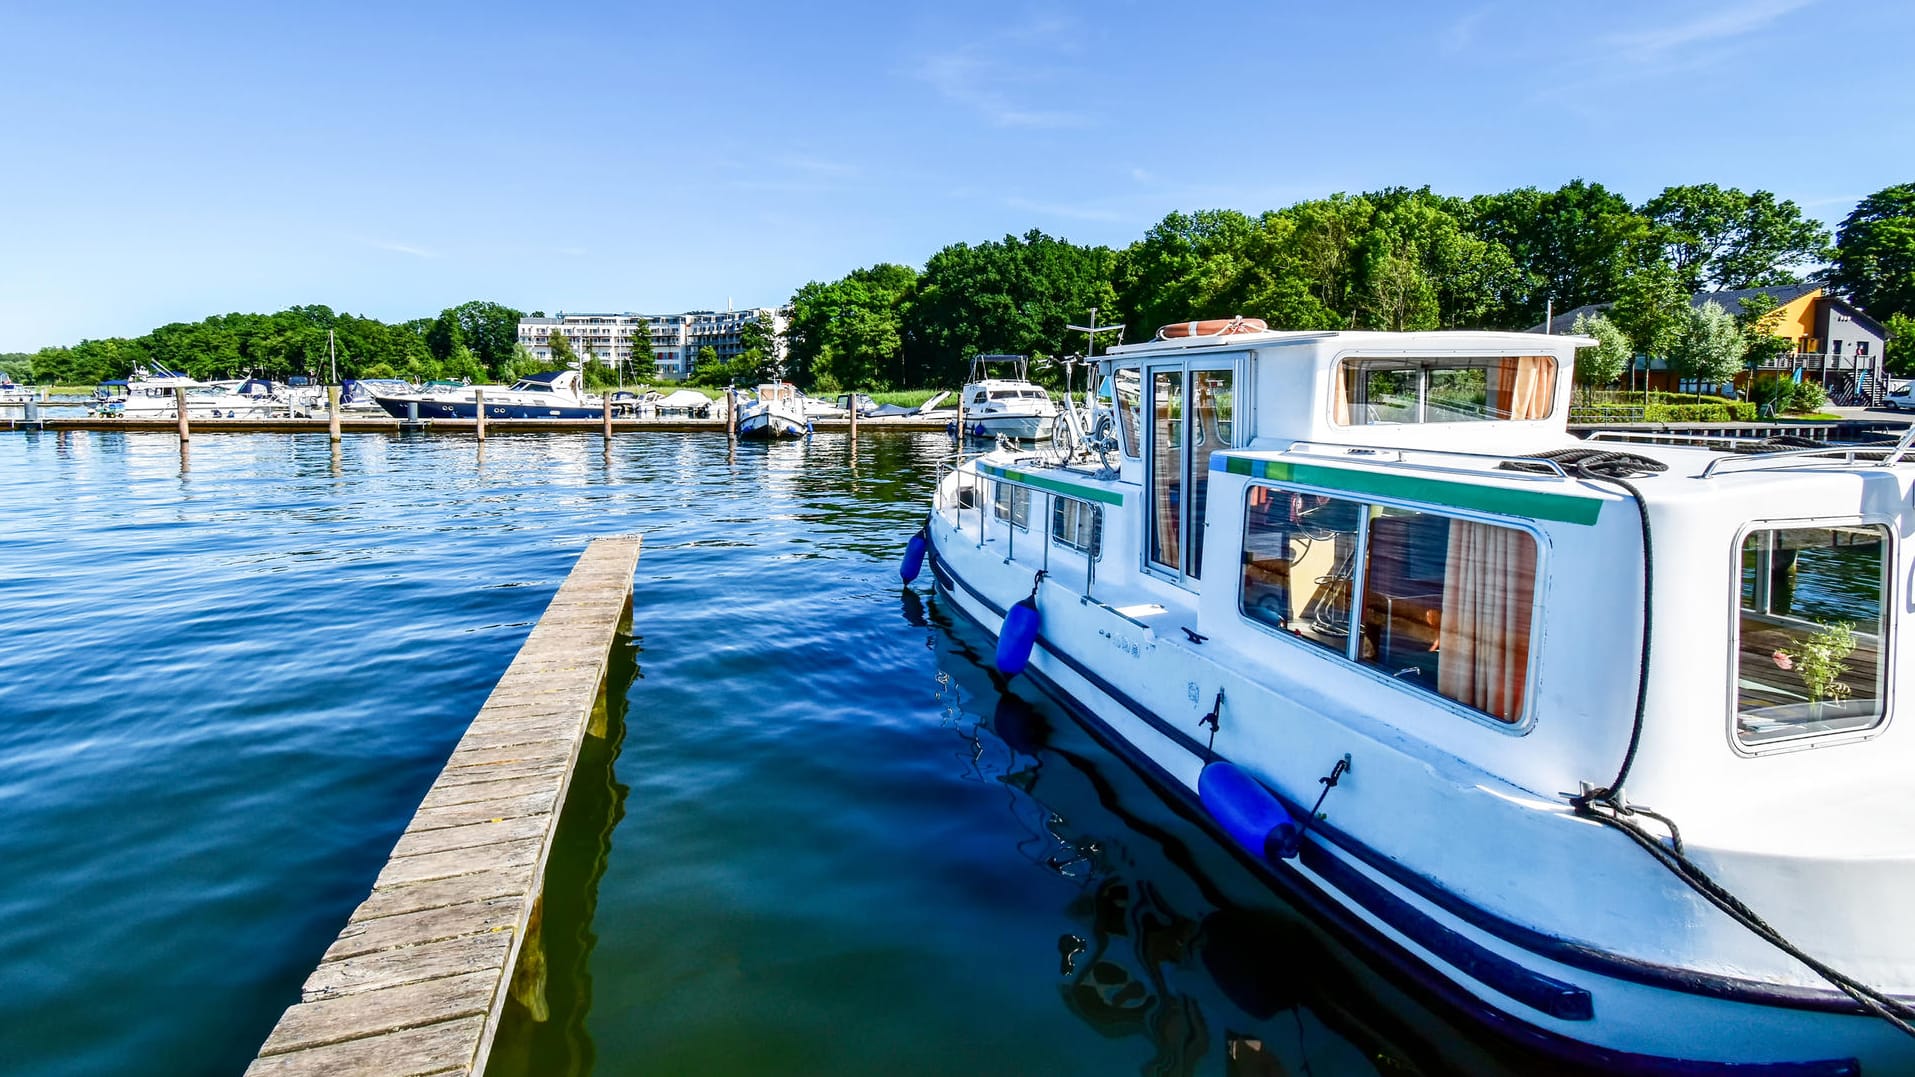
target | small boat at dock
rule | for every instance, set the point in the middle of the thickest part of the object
(998, 406)
(778, 412)
(1602, 744)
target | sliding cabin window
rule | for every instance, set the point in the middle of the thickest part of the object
(1127, 388)
(1077, 525)
(1012, 504)
(1446, 604)
(1462, 389)
(1810, 654)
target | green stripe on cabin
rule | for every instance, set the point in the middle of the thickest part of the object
(1042, 482)
(1501, 500)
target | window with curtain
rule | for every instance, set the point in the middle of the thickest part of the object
(1078, 525)
(1810, 654)
(1447, 604)
(1376, 391)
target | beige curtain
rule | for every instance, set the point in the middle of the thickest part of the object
(1488, 592)
(1344, 378)
(1525, 387)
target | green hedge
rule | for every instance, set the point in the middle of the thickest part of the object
(1728, 411)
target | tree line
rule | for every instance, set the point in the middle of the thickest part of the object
(476, 340)
(1396, 259)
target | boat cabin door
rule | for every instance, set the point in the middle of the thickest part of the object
(1192, 409)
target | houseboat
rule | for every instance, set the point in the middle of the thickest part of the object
(1593, 741)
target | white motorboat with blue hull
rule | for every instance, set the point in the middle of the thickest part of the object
(1416, 608)
(778, 412)
(554, 394)
(1012, 407)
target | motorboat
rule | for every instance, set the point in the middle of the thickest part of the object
(361, 394)
(12, 392)
(995, 406)
(1595, 743)
(154, 393)
(684, 403)
(554, 394)
(778, 412)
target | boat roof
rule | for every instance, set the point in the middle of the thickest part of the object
(1401, 343)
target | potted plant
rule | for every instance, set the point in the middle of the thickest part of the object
(1822, 661)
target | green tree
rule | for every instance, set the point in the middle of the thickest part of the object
(1604, 363)
(1759, 320)
(1706, 346)
(1875, 253)
(1576, 245)
(1899, 358)
(445, 336)
(1011, 296)
(562, 353)
(1651, 308)
(1719, 238)
(644, 359)
(490, 329)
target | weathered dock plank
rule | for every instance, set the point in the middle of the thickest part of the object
(417, 979)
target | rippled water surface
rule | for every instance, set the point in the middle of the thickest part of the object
(821, 840)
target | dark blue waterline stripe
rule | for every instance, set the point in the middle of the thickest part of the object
(1552, 947)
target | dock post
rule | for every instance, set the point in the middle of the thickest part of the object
(332, 413)
(731, 413)
(33, 411)
(608, 418)
(179, 402)
(852, 400)
(478, 412)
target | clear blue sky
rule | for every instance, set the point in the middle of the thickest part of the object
(166, 162)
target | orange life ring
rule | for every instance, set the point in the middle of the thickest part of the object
(1216, 327)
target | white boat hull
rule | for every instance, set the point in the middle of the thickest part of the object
(1019, 427)
(770, 423)
(1138, 682)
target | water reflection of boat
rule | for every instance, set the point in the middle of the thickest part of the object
(1416, 577)
(1161, 940)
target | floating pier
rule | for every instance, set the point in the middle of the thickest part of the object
(417, 979)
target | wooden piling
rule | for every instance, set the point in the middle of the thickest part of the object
(478, 412)
(608, 418)
(852, 400)
(416, 981)
(179, 403)
(731, 413)
(332, 413)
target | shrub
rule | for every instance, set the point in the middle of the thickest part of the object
(1808, 396)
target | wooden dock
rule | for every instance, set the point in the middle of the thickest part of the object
(417, 979)
(460, 427)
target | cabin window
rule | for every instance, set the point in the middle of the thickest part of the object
(1444, 390)
(1446, 604)
(1078, 525)
(1810, 654)
(1011, 503)
(1299, 560)
(1128, 389)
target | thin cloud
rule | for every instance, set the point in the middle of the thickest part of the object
(1722, 25)
(997, 77)
(401, 248)
(1067, 211)
(1458, 36)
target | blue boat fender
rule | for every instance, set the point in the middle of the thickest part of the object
(1019, 635)
(913, 558)
(1248, 811)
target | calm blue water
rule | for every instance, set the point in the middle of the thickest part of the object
(820, 841)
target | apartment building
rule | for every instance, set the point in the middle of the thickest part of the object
(678, 340)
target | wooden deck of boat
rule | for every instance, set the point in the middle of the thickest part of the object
(417, 979)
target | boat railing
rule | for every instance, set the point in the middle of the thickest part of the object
(1533, 468)
(984, 507)
(1846, 455)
